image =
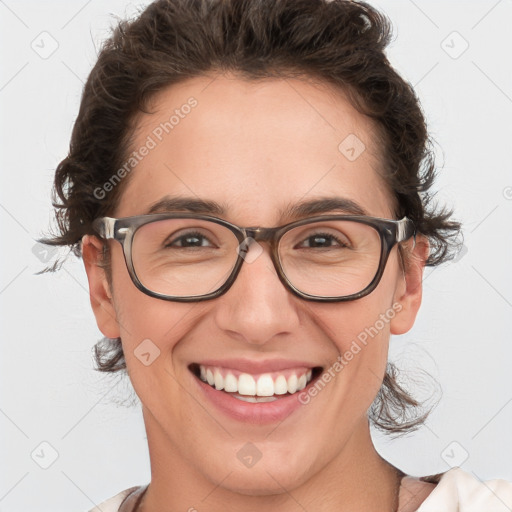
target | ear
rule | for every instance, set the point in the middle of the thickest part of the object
(408, 292)
(99, 289)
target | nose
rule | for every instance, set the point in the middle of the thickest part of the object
(257, 307)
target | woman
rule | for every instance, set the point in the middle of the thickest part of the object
(248, 187)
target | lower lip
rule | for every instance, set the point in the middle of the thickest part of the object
(256, 413)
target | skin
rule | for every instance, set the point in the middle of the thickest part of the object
(256, 147)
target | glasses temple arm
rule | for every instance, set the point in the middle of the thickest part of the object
(104, 226)
(405, 230)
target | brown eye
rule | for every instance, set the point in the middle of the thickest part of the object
(192, 239)
(323, 240)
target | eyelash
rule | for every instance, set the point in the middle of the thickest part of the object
(328, 236)
(189, 234)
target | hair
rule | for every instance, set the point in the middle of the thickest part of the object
(339, 42)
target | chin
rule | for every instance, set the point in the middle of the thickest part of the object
(263, 483)
(268, 476)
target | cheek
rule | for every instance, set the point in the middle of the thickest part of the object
(361, 337)
(139, 315)
(360, 331)
(150, 328)
(357, 323)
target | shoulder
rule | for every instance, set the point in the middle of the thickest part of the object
(126, 498)
(457, 490)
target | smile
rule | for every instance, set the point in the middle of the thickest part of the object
(245, 386)
(254, 388)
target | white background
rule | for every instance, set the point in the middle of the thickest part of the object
(49, 391)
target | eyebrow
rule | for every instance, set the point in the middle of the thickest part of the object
(307, 208)
(322, 205)
(170, 204)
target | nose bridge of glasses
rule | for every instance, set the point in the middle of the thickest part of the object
(259, 234)
(255, 236)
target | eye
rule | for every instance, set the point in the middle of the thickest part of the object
(190, 239)
(323, 240)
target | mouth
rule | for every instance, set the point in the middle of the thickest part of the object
(256, 388)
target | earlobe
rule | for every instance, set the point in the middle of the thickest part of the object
(409, 290)
(99, 290)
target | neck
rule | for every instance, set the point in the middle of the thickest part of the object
(358, 478)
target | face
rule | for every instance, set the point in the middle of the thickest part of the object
(255, 149)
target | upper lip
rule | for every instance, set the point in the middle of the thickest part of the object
(255, 366)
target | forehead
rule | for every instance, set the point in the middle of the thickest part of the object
(255, 147)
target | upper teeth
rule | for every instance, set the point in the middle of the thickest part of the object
(263, 385)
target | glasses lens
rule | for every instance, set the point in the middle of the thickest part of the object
(331, 258)
(183, 257)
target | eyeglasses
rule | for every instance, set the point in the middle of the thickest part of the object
(187, 257)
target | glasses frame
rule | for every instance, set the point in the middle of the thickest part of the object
(122, 230)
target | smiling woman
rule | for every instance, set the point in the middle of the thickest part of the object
(248, 185)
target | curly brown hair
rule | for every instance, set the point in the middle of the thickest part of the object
(340, 42)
